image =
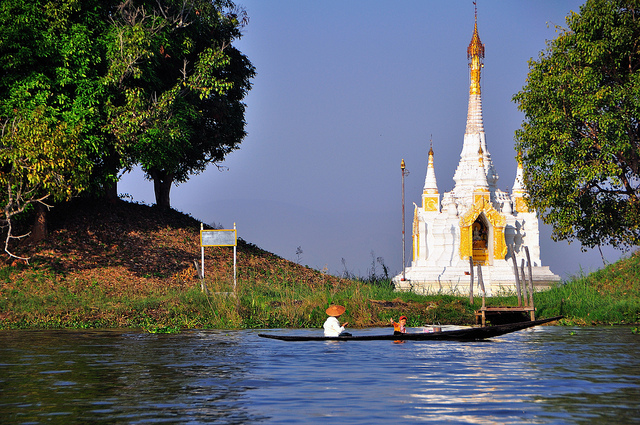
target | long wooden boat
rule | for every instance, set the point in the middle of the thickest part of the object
(466, 334)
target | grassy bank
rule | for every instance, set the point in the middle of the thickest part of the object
(46, 301)
(129, 265)
(608, 296)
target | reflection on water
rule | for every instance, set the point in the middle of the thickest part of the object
(547, 375)
(128, 377)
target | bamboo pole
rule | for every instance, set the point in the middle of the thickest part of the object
(526, 250)
(523, 282)
(471, 280)
(515, 271)
(481, 284)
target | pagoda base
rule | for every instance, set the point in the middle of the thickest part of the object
(498, 280)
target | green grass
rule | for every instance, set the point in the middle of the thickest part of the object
(607, 296)
(45, 300)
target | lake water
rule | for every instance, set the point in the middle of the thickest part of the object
(546, 375)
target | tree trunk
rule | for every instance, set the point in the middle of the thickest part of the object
(108, 172)
(39, 228)
(111, 192)
(161, 187)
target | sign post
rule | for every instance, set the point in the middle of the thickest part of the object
(219, 238)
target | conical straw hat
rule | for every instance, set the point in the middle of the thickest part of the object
(335, 310)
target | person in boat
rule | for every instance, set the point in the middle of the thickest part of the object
(332, 325)
(399, 327)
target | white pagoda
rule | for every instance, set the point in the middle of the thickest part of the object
(475, 219)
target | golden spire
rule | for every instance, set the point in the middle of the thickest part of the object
(475, 53)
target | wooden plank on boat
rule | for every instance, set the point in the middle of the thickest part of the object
(467, 334)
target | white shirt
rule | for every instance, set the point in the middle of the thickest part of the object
(332, 327)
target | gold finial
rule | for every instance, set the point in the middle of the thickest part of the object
(402, 165)
(431, 145)
(475, 53)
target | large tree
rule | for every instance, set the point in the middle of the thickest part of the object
(91, 87)
(181, 84)
(50, 97)
(580, 140)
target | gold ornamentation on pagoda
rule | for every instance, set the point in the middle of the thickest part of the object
(475, 53)
(521, 205)
(496, 221)
(430, 204)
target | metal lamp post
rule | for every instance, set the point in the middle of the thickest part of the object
(402, 168)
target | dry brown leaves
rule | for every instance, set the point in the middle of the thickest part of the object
(135, 248)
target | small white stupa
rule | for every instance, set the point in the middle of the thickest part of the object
(474, 220)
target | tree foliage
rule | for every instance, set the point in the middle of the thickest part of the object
(89, 88)
(41, 159)
(580, 140)
(49, 102)
(179, 85)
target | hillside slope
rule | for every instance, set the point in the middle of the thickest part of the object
(133, 247)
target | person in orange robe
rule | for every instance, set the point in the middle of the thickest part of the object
(400, 326)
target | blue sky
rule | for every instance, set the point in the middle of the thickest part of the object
(346, 89)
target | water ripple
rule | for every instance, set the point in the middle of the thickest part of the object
(550, 375)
